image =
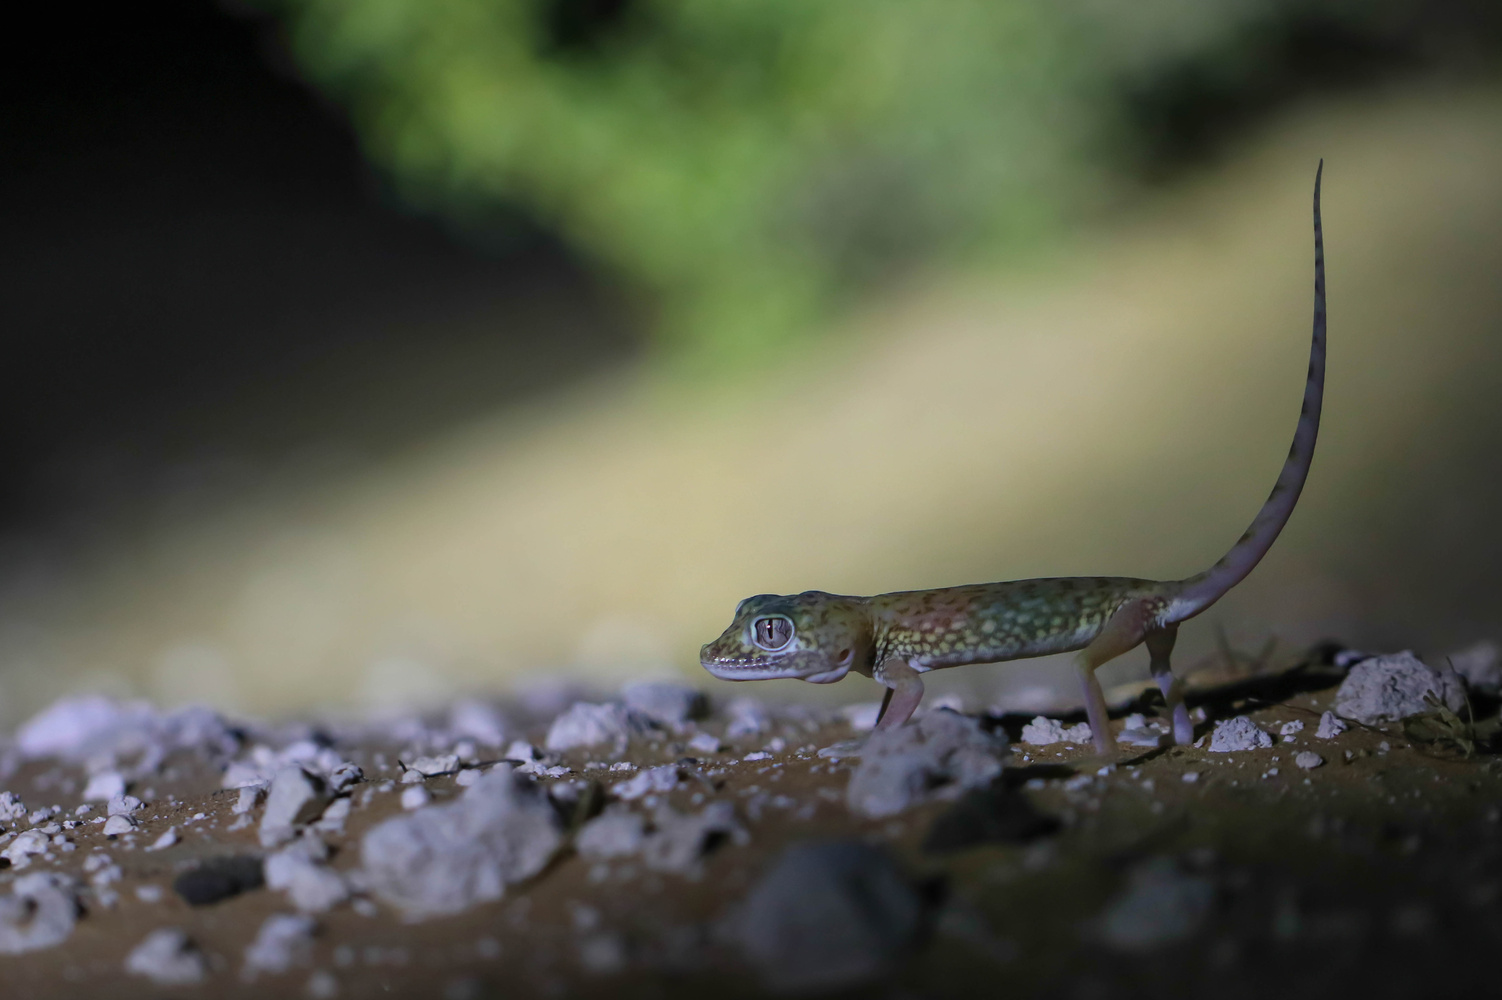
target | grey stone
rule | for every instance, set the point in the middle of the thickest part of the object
(39, 913)
(168, 958)
(826, 916)
(1043, 731)
(285, 940)
(938, 756)
(1388, 688)
(670, 705)
(1238, 734)
(295, 797)
(589, 725)
(311, 886)
(747, 718)
(1480, 665)
(615, 833)
(1330, 726)
(680, 841)
(446, 858)
(1159, 905)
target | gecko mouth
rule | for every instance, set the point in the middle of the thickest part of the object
(745, 670)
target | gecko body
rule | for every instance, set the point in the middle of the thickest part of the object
(896, 638)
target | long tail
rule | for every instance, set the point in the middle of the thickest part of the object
(1199, 592)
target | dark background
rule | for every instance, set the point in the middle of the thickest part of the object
(197, 261)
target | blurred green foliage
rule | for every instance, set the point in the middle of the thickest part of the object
(748, 164)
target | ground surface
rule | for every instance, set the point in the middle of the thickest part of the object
(1380, 870)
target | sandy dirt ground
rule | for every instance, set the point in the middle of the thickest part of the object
(1176, 871)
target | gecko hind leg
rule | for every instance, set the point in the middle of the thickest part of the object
(1159, 646)
(1126, 627)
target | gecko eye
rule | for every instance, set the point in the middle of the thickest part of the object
(772, 633)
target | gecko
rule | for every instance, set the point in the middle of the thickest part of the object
(896, 638)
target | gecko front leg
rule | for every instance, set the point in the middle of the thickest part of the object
(904, 692)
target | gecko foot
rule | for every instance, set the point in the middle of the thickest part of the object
(844, 748)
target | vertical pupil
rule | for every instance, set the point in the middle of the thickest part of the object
(772, 632)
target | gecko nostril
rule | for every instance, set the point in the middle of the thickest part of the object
(844, 656)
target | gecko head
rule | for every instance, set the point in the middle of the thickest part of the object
(812, 636)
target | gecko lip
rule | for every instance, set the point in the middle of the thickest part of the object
(745, 670)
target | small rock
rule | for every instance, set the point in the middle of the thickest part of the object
(447, 858)
(669, 705)
(104, 786)
(861, 716)
(296, 797)
(652, 780)
(588, 725)
(826, 916)
(704, 743)
(27, 843)
(321, 985)
(11, 807)
(938, 756)
(747, 718)
(1330, 726)
(415, 797)
(1388, 688)
(332, 820)
(993, 815)
(428, 767)
(122, 805)
(478, 721)
(168, 958)
(1308, 760)
(1160, 905)
(1480, 665)
(118, 824)
(1291, 728)
(249, 797)
(1140, 737)
(312, 887)
(615, 833)
(284, 940)
(1044, 731)
(39, 913)
(218, 879)
(1240, 733)
(166, 840)
(679, 840)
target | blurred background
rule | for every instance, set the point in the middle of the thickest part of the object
(362, 354)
